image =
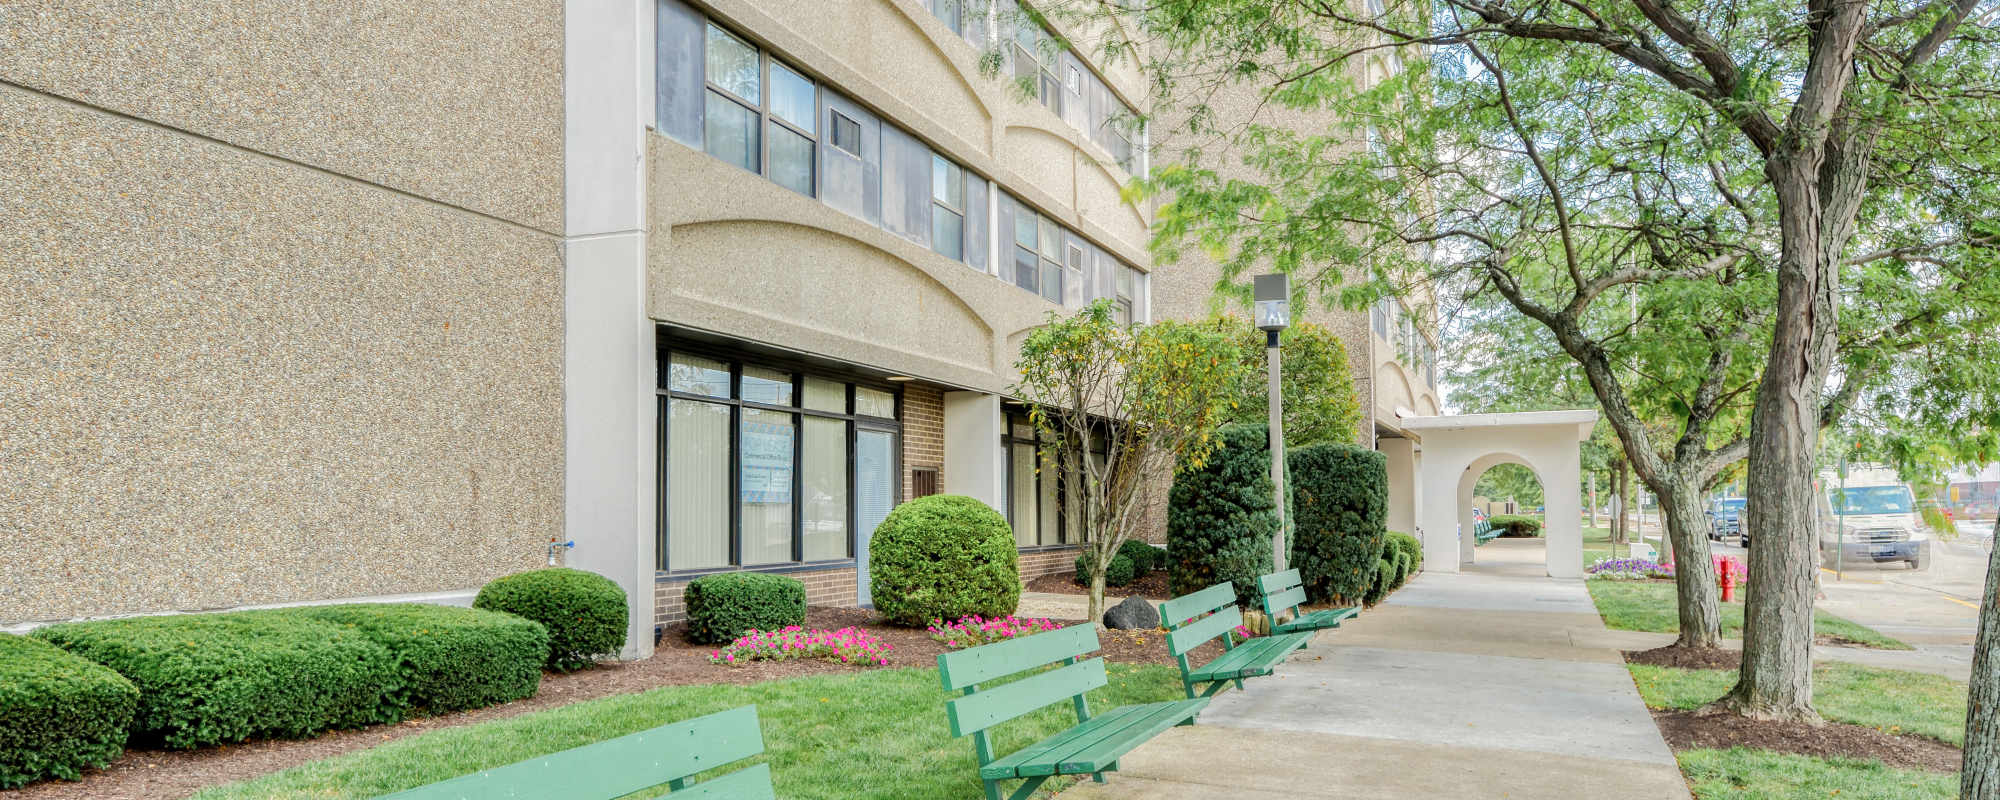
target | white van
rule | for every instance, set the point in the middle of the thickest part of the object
(1880, 518)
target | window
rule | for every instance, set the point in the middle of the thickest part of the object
(947, 208)
(759, 463)
(758, 113)
(846, 134)
(1050, 240)
(947, 11)
(1043, 500)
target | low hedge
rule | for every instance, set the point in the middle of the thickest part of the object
(1402, 570)
(59, 713)
(450, 658)
(584, 612)
(1145, 557)
(721, 607)
(1517, 525)
(206, 679)
(1381, 583)
(1120, 572)
(1399, 542)
(1123, 571)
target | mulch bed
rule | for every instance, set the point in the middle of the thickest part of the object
(1689, 730)
(1153, 586)
(149, 774)
(1687, 657)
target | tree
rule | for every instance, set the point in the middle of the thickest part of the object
(1979, 779)
(1147, 397)
(1510, 482)
(1317, 382)
(1756, 157)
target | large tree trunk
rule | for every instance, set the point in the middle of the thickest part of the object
(1776, 679)
(1979, 778)
(1681, 512)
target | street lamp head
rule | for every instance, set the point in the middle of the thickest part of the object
(1273, 302)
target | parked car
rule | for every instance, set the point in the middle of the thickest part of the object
(1725, 519)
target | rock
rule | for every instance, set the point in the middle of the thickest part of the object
(1133, 614)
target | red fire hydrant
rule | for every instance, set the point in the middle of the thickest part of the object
(1726, 577)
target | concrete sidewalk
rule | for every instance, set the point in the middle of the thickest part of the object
(1483, 684)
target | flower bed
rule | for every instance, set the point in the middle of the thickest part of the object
(1630, 569)
(847, 646)
(975, 630)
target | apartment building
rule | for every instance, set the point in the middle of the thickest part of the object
(688, 286)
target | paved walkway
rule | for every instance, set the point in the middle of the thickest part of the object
(1483, 684)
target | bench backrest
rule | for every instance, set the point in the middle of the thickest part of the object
(1184, 636)
(979, 709)
(1282, 591)
(669, 754)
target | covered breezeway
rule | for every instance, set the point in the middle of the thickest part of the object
(1458, 449)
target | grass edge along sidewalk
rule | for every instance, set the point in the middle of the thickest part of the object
(1630, 605)
(879, 735)
(1892, 701)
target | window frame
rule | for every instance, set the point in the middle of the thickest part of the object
(764, 110)
(798, 412)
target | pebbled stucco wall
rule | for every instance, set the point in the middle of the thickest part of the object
(283, 301)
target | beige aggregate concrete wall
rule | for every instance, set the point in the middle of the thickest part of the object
(230, 379)
(457, 100)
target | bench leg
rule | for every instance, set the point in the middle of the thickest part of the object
(1239, 684)
(1027, 789)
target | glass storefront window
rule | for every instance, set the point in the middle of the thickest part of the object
(765, 485)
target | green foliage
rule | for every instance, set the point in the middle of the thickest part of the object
(1340, 499)
(1221, 515)
(1402, 562)
(1381, 582)
(584, 612)
(1145, 557)
(1517, 525)
(722, 607)
(943, 557)
(59, 713)
(1315, 378)
(208, 679)
(1510, 482)
(1649, 606)
(1400, 542)
(449, 659)
(1120, 573)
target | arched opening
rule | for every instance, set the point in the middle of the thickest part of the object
(1500, 484)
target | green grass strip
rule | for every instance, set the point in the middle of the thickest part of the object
(1650, 606)
(1889, 700)
(1744, 774)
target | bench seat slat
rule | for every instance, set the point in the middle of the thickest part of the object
(1105, 752)
(1092, 746)
(1187, 607)
(982, 710)
(1251, 659)
(614, 767)
(1196, 633)
(1319, 620)
(750, 784)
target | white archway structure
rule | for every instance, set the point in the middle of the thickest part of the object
(1458, 449)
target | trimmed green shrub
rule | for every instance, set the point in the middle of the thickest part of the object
(1381, 583)
(1145, 557)
(584, 612)
(1402, 571)
(59, 713)
(722, 607)
(1517, 525)
(450, 658)
(1220, 516)
(943, 557)
(1406, 544)
(1340, 511)
(208, 679)
(1120, 572)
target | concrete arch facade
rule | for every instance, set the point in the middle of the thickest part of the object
(1458, 449)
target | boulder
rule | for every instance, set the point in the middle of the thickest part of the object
(1132, 614)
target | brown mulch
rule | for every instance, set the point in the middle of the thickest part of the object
(1153, 586)
(1689, 730)
(1687, 657)
(147, 774)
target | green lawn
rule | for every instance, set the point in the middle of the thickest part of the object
(1743, 774)
(1888, 700)
(875, 734)
(1649, 606)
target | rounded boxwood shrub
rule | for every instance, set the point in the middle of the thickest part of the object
(1121, 572)
(1381, 583)
(59, 713)
(584, 612)
(450, 658)
(721, 607)
(1340, 511)
(1221, 514)
(1406, 544)
(207, 679)
(943, 557)
(1145, 557)
(1402, 571)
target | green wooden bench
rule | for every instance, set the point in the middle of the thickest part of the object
(670, 754)
(1091, 748)
(1194, 619)
(1485, 532)
(1284, 592)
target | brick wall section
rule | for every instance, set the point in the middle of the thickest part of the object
(1048, 562)
(923, 433)
(824, 587)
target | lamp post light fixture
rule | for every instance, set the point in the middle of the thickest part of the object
(1273, 308)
